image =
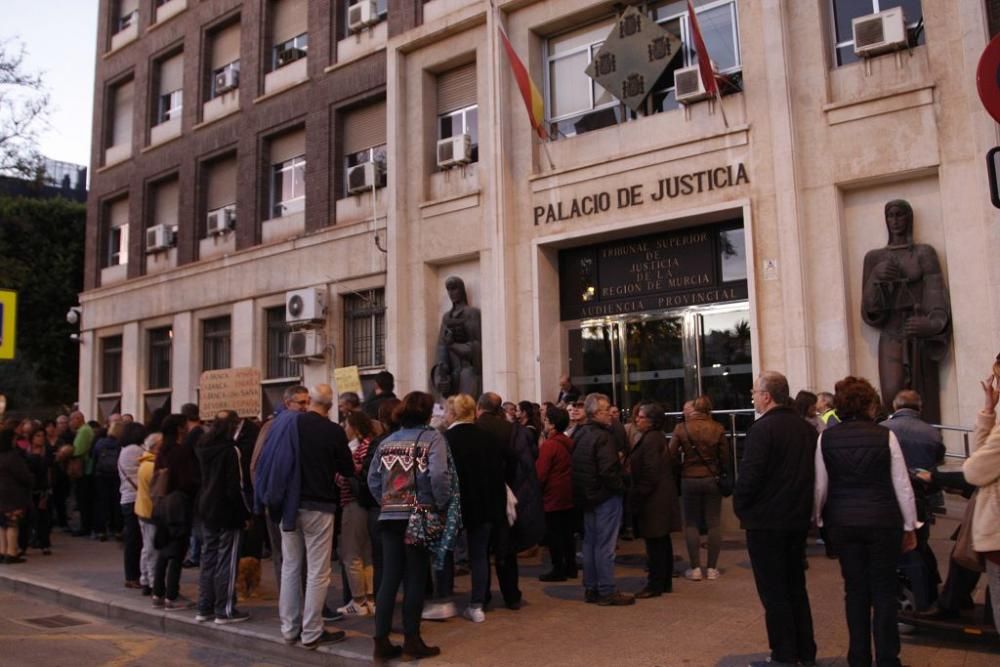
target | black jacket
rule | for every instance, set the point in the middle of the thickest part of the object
(774, 490)
(654, 489)
(529, 528)
(597, 471)
(15, 481)
(502, 431)
(323, 451)
(221, 503)
(374, 402)
(859, 466)
(479, 464)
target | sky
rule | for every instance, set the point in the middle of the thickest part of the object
(60, 37)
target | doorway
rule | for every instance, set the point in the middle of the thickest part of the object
(668, 356)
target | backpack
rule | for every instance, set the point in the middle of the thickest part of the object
(107, 460)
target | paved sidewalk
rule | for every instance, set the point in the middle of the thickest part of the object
(706, 623)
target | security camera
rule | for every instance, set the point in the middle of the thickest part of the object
(75, 338)
(73, 315)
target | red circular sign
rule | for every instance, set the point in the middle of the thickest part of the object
(988, 78)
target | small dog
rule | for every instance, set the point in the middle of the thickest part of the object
(248, 578)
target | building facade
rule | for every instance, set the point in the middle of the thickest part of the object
(657, 252)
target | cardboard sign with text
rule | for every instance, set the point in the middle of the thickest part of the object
(347, 379)
(230, 389)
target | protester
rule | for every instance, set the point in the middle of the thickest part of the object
(195, 430)
(131, 443)
(864, 499)
(576, 417)
(825, 410)
(389, 425)
(654, 497)
(80, 469)
(805, 407)
(107, 509)
(173, 508)
(385, 383)
(223, 508)
(144, 510)
(36, 532)
(15, 496)
(699, 447)
(60, 482)
(528, 418)
(555, 474)
(355, 542)
(400, 490)
(773, 499)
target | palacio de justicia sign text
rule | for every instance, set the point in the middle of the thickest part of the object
(639, 194)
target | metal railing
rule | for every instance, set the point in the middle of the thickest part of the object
(732, 432)
(965, 431)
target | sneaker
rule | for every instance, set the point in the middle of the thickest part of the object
(235, 617)
(711, 574)
(647, 593)
(326, 637)
(615, 600)
(179, 604)
(330, 615)
(352, 608)
(693, 575)
(204, 617)
(439, 611)
(157, 603)
(474, 614)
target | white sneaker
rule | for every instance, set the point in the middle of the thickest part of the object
(352, 608)
(693, 575)
(439, 611)
(475, 614)
(711, 574)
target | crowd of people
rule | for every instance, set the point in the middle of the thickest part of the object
(404, 488)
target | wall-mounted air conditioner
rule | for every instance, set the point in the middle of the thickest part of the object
(688, 85)
(362, 14)
(221, 220)
(226, 80)
(365, 176)
(306, 344)
(878, 33)
(454, 151)
(305, 305)
(159, 237)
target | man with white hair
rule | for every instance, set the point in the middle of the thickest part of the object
(323, 451)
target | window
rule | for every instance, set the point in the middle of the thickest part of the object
(289, 51)
(158, 371)
(364, 139)
(116, 235)
(120, 132)
(220, 190)
(288, 186)
(215, 343)
(576, 104)
(845, 11)
(170, 96)
(458, 112)
(278, 363)
(289, 26)
(165, 196)
(128, 15)
(364, 325)
(224, 62)
(111, 365)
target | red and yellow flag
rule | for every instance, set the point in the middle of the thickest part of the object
(533, 100)
(704, 62)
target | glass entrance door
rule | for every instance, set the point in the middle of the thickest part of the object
(668, 357)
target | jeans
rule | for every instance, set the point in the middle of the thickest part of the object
(107, 507)
(660, 558)
(702, 503)
(559, 538)
(444, 579)
(167, 576)
(356, 551)
(375, 534)
(600, 534)
(868, 559)
(307, 547)
(132, 543)
(478, 538)
(220, 557)
(993, 577)
(147, 559)
(194, 547)
(777, 558)
(401, 563)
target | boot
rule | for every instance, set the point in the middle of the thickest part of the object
(385, 649)
(415, 647)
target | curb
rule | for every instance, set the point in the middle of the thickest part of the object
(356, 648)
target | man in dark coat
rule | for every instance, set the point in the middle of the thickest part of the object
(384, 385)
(773, 499)
(598, 487)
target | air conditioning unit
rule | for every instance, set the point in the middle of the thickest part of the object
(689, 86)
(454, 150)
(289, 56)
(306, 344)
(365, 176)
(221, 220)
(159, 237)
(226, 80)
(878, 33)
(305, 305)
(362, 14)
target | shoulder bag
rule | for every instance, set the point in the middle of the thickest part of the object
(425, 525)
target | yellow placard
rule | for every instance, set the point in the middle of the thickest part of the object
(347, 379)
(235, 389)
(8, 323)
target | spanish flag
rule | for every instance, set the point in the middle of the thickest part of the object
(533, 100)
(705, 67)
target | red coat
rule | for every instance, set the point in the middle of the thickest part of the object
(555, 473)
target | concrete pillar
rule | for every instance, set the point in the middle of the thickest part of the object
(183, 371)
(242, 334)
(88, 358)
(132, 369)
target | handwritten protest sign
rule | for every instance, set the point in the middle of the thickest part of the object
(235, 389)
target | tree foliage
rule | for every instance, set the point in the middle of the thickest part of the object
(42, 247)
(24, 105)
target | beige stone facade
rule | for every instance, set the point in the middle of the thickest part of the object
(821, 149)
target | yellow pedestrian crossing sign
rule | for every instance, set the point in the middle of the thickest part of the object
(8, 323)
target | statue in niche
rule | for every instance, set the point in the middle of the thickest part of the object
(904, 295)
(458, 365)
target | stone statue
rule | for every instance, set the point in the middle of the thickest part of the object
(459, 362)
(904, 295)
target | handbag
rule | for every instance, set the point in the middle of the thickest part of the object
(722, 478)
(964, 554)
(425, 524)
